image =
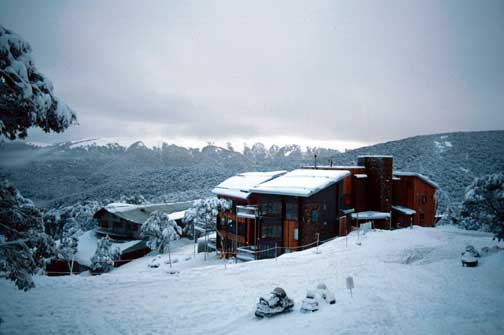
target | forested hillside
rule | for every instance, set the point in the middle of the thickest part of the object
(70, 172)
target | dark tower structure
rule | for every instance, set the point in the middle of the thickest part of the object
(379, 181)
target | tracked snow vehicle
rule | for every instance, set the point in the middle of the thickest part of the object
(277, 303)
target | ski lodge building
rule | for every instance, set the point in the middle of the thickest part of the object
(279, 211)
(121, 222)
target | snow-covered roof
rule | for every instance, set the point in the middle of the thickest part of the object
(418, 175)
(239, 186)
(87, 244)
(339, 167)
(375, 156)
(177, 215)
(360, 175)
(404, 210)
(140, 213)
(371, 215)
(301, 182)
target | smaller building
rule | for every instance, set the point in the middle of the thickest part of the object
(123, 221)
(86, 248)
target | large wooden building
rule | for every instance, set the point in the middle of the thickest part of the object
(276, 212)
(284, 212)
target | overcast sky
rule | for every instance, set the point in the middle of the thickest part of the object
(331, 73)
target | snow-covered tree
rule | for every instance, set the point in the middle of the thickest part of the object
(483, 207)
(79, 215)
(203, 214)
(104, 257)
(24, 246)
(136, 199)
(69, 243)
(26, 95)
(159, 230)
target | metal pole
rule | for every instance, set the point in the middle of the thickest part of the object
(194, 237)
(169, 255)
(236, 240)
(206, 244)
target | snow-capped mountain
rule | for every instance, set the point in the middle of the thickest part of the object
(93, 169)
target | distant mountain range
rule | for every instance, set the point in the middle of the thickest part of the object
(65, 173)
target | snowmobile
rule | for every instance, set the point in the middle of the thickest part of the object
(277, 303)
(327, 295)
(470, 257)
(310, 303)
(313, 298)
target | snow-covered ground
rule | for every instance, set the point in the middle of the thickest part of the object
(407, 281)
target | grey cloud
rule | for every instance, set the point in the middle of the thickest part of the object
(359, 71)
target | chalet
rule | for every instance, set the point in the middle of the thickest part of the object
(123, 221)
(276, 212)
(280, 212)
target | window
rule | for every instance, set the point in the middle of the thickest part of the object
(291, 210)
(271, 228)
(314, 216)
(424, 199)
(231, 226)
(271, 208)
(242, 228)
(222, 224)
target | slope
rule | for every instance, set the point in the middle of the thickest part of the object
(406, 281)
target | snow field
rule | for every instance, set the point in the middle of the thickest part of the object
(406, 281)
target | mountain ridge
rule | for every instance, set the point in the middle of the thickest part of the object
(64, 173)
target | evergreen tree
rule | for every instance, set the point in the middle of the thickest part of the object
(104, 257)
(483, 207)
(26, 95)
(159, 229)
(69, 243)
(24, 246)
(203, 214)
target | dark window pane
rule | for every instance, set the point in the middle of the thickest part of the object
(291, 211)
(314, 216)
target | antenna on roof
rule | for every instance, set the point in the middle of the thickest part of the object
(315, 159)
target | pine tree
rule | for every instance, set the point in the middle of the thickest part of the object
(203, 214)
(104, 257)
(483, 207)
(24, 248)
(26, 95)
(159, 229)
(69, 243)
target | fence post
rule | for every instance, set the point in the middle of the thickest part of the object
(318, 240)
(276, 252)
(169, 255)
